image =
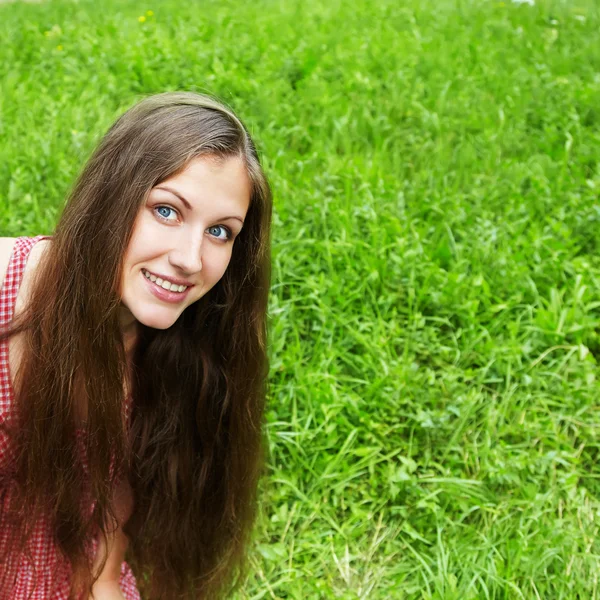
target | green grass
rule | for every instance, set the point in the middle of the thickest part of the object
(433, 416)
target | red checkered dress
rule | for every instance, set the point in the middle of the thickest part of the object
(44, 573)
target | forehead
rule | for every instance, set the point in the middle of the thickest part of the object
(211, 186)
(213, 180)
(211, 166)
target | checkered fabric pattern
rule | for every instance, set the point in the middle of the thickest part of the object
(41, 573)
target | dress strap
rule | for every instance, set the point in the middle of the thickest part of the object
(8, 297)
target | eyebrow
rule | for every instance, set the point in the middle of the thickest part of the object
(188, 205)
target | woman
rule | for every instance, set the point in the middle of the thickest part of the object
(133, 365)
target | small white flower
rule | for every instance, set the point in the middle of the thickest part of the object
(530, 2)
(580, 18)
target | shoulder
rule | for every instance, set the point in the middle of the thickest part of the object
(33, 261)
(36, 254)
(6, 247)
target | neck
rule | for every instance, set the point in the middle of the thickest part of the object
(129, 330)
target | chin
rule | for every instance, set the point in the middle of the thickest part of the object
(157, 321)
(160, 325)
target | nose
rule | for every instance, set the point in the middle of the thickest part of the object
(187, 254)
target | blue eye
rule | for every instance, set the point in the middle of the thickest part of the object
(164, 211)
(220, 232)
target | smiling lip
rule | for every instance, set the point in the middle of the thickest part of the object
(171, 279)
(166, 295)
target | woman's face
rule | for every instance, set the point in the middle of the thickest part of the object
(182, 240)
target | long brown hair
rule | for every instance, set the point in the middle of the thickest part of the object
(194, 449)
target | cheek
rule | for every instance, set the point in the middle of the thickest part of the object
(215, 265)
(132, 252)
(144, 245)
(224, 262)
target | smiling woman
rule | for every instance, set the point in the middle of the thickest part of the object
(133, 366)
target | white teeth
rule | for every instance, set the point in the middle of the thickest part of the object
(163, 283)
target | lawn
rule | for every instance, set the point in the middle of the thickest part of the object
(433, 419)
